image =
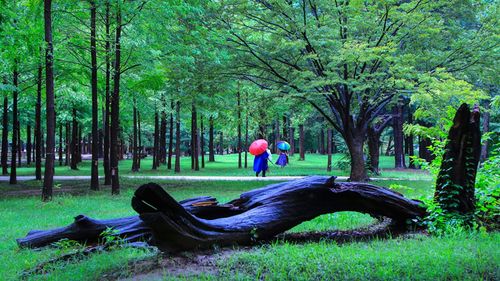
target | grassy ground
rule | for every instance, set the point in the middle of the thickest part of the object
(459, 257)
(226, 165)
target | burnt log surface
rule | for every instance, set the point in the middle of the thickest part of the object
(258, 214)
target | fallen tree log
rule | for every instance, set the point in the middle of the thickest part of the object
(259, 214)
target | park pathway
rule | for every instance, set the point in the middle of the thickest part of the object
(195, 178)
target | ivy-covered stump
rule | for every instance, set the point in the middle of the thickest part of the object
(457, 175)
(259, 214)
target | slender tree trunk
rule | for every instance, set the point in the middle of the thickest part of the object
(134, 140)
(211, 148)
(48, 180)
(322, 142)
(28, 145)
(94, 171)
(5, 134)
(486, 129)
(329, 134)
(171, 135)
(285, 128)
(195, 138)
(68, 144)
(15, 128)
(239, 129)
(79, 144)
(115, 107)
(276, 135)
(163, 134)
(399, 156)
(60, 145)
(246, 134)
(202, 142)
(409, 141)
(292, 140)
(38, 126)
(156, 141)
(301, 143)
(20, 144)
(389, 145)
(74, 142)
(423, 150)
(177, 164)
(106, 116)
(139, 140)
(373, 149)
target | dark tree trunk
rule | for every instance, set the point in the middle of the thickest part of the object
(409, 141)
(354, 143)
(486, 129)
(48, 179)
(156, 141)
(15, 128)
(5, 134)
(246, 134)
(329, 134)
(457, 176)
(373, 135)
(389, 146)
(94, 170)
(28, 145)
(202, 142)
(163, 134)
(171, 135)
(276, 135)
(301, 143)
(177, 165)
(423, 150)
(211, 148)
(285, 128)
(194, 133)
(115, 108)
(68, 144)
(257, 215)
(292, 140)
(238, 95)
(107, 101)
(134, 140)
(60, 145)
(38, 126)
(20, 144)
(74, 142)
(322, 142)
(397, 129)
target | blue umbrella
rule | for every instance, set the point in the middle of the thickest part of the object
(283, 145)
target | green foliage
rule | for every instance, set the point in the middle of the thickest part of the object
(488, 191)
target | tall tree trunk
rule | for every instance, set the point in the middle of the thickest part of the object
(68, 144)
(409, 141)
(246, 134)
(28, 145)
(276, 135)
(20, 144)
(202, 142)
(15, 128)
(79, 143)
(177, 164)
(115, 107)
(38, 126)
(211, 147)
(329, 134)
(60, 145)
(74, 142)
(373, 150)
(107, 100)
(139, 140)
(239, 129)
(156, 142)
(423, 150)
(292, 140)
(486, 129)
(322, 142)
(48, 179)
(195, 137)
(399, 156)
(285, 128)
(134, 140)
(5, 134)
(354, 143)
(163, 133)
(301, 143)
(94, 171)
(389, 146)
(170, 135)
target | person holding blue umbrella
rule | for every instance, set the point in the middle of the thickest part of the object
(283, 146)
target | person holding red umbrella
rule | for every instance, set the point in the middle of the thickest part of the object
(259, 149)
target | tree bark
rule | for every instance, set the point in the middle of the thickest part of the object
(399, 156)
(177, 165)
(28, 145)
(5, 135)
(322, 142)
(246, 134)
(457, 176)
(156, 141)
(163, 134)
(238, 97)
(94, 170)
(292, 140)
(20, 145)
(374, 132)
(409, 141)
(423, 151)
(115, 108)
(107, 101)
(60, 145)
(301, 143)
(355, 145)
(74, 142)
(38, 126)
(48, 179)
(202, 142)
(211, 148)
(15, 128)
(170, 135)
(68, 144)
(329, 149)
(195, 138)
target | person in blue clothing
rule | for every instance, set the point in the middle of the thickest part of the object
(282, 159)
(260, 163)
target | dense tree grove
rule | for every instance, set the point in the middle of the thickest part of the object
(101, 77)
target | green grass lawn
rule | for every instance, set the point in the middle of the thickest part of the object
(227, 165)
(463, 256)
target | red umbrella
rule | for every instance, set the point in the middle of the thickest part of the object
(258, 147)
